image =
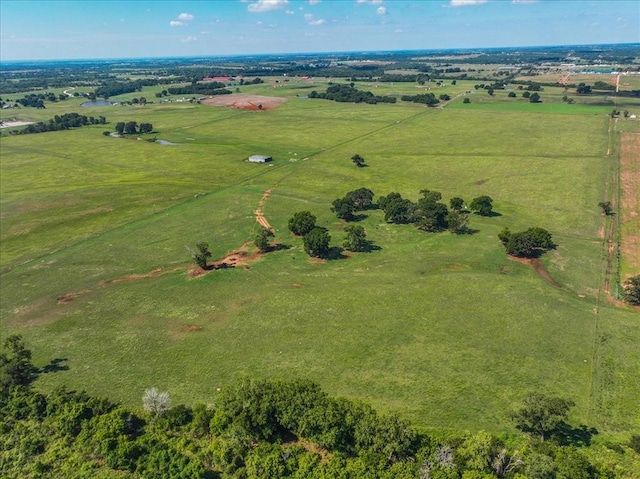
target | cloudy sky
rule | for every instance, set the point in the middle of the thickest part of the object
(54, 29)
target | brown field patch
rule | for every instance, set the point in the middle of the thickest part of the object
(630, 198)
(246, 102)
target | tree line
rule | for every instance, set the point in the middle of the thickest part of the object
(271, 429)
(132, 128)
(61, 122)
(350, 94)
(209, 88)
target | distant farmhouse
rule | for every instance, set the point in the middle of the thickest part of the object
(259, 159)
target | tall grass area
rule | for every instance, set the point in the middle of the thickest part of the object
(442, 328)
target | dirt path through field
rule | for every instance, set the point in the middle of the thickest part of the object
(538, 267)
(259, 214)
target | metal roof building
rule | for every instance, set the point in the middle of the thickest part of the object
(259, 159)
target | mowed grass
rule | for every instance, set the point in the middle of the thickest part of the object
(442, 328)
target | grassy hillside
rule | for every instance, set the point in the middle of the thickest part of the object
(444, 329)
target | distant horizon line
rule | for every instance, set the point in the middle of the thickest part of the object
(318, 53)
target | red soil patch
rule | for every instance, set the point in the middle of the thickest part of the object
(630, 201)
(296, 285)
(538, 268)
(192, 329)
(232, 260)
(246, 102)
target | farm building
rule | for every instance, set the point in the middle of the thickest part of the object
(259, 159)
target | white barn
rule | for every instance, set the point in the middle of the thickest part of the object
(259, 159)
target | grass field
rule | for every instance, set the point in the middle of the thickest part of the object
(444, 329)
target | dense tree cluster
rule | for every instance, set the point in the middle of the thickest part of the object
(132, 128)
(267, 429)
(430, 214)
(350, 94)
(207, 88)
(113, 87)
(61, 122)
(36, 100)
(583, 89)
(631, 288)
(526, 244)
(428, 99)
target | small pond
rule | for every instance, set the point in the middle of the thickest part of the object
(96, 103)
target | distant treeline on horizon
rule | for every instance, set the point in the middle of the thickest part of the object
(619, 48)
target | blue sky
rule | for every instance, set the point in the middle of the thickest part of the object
(53, 29)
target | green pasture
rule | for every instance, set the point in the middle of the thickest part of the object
(444, 329)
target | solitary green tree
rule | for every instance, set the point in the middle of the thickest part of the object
(607, 207)
(343, 208)
(202, 254)
(262, 239)
(541, 414)
(482, 205)
(357, 160)
(316, 242)
(356, 239)
(301, 223)
(457, 222)
(362, 198)
(16, 368)
(456, 203)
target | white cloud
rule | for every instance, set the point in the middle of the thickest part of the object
(266, 5)
(186, 17)
(310, 20)
(289, 12)
(190, 39)
(465, 3)
(523, 1)
(176, 23)
(398, 30)
(372, 2)
(314, 2)
(381, 11)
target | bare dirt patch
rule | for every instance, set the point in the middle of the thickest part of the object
(192, 329)
(67, 298)
(481, 182)
(135, 277)
(630, 198)
(240, 257)
(246, 102)
(538, 267)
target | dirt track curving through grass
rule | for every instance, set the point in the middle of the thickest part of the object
(259, 214)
